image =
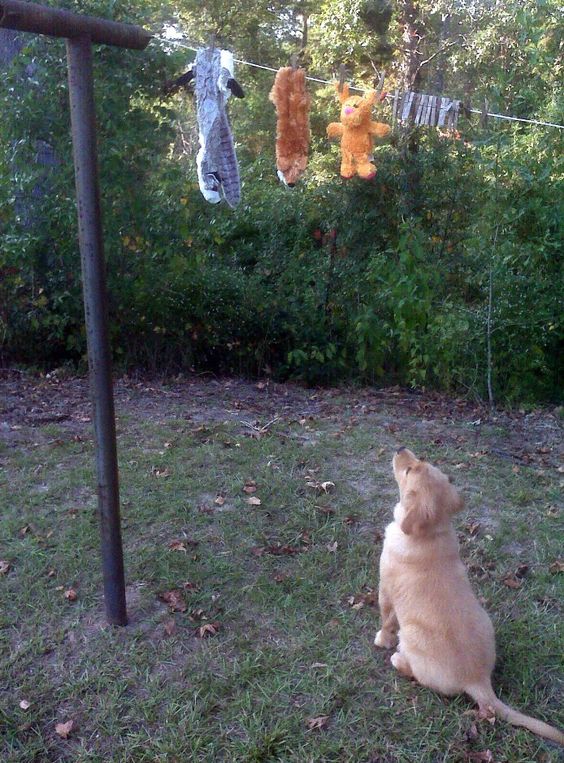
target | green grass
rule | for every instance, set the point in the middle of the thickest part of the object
(290, 647)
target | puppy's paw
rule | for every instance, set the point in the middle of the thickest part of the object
(385, 640)
(401, 664)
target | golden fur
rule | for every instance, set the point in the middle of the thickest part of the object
(356, 131)
(292, 103)
(444, 637)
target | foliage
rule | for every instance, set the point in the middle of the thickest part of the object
(333, 281)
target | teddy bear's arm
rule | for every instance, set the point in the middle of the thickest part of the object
(335, 130)
(379, 129)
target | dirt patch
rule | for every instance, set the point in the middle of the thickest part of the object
(523, 438)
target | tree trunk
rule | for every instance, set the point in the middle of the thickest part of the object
(439, 79)
(10, 46)
(410, 78)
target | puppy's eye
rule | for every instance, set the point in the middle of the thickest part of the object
(450, 479)
(407, 470)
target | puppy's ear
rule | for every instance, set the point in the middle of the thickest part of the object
(418, 514)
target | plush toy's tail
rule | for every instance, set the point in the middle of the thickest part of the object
(486, 699)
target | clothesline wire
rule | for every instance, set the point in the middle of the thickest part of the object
(362, 90)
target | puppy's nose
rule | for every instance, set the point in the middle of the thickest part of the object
(399, 450)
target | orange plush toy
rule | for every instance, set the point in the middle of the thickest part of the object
(356, 130)
(292, 102)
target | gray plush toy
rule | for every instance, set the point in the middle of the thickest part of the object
(218, 170)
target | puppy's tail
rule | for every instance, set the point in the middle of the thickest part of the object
(486, 699)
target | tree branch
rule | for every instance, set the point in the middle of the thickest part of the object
(437, 53)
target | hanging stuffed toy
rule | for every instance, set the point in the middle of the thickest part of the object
(292, 103)
(218, 171)
(356, 131)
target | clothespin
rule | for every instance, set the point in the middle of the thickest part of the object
(379, 86)
(211, 42)
(294, 61)
(484, 114)
(342, 77)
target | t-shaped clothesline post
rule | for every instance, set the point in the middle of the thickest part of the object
(80, 33)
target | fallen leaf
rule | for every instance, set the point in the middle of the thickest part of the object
(521, 570)
(351, 519)
(332, 547)
(362, 599)
(188, 586)
(473, 528)
(320, 487)
(557, 566)
(174, 599)
(4, 567)
(472, 733)
(182, 544)
(318, 723)
(170, 628)
(254, 501)
(71, 594)
(25, 705)
(318, 665)
(487, 714)
(250, 487)
(220, 500)
(197, 615)
(159, 472)
(512, 582)
(64, 729)
(209, 629)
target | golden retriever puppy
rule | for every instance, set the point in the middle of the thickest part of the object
(445, 639)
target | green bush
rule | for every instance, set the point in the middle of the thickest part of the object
(331, 282)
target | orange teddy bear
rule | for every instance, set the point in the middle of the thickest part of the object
(356, 130)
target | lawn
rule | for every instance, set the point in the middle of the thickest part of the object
(252, 522)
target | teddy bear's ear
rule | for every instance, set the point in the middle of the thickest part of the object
(342, 92)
